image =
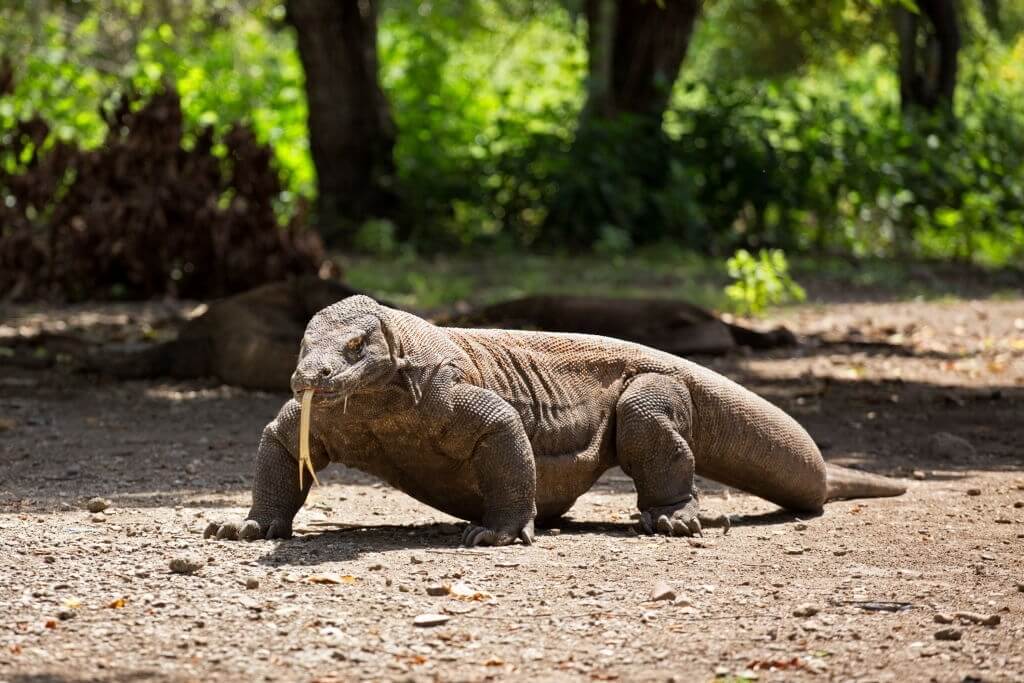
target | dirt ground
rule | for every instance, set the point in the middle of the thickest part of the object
(858, 593)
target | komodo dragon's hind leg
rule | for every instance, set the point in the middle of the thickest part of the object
(653, 424)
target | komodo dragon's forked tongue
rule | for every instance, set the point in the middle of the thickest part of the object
(844, 483)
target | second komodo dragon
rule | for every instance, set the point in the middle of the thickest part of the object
(504, 428)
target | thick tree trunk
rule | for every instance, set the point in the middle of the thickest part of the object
(929, 43)
(351, 133)
(635, 50)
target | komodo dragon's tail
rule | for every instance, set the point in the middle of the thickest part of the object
(181, 358)
(844, 483)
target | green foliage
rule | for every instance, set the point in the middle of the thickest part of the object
(761, 281)
(377, 237)
(231, 62)
(784, 131)
(827, 162)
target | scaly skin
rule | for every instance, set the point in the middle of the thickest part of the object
(505, 428)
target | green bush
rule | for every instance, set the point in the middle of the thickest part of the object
(761, 281)
(804, 150)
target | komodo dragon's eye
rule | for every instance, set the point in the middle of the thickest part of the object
(355, 345)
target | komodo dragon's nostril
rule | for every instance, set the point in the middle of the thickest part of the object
(325, 371)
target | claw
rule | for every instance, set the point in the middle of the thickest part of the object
(211, 530)
(664, 525)
(250, 530)
(475, 535)
(526, 535)
(694, 528)
(228, 532)
(481, 536)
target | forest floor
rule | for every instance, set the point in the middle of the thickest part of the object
(932, 392)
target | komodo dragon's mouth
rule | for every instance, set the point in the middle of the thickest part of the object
(320, 395)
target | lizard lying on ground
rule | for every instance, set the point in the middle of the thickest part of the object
(248, 340)
(503, 427)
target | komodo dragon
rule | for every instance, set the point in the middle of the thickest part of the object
(503, 427)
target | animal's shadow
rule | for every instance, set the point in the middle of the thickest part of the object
(343, 543)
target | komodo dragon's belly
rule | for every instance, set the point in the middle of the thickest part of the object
(572, 440)
(573, 446)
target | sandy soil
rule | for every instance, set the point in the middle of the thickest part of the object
(857, 593)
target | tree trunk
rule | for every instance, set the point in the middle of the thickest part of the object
(929, 43)
(620, 157)
(351, 133)
(635, 49)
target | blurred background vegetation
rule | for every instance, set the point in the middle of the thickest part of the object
(857, 129)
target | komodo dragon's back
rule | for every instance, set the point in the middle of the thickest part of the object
(739, 438)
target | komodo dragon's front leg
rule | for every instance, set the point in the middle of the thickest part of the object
(488, 433)
(276, 496)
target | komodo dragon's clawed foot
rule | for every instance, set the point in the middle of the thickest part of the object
(249, 530)
(679, 519)
(480, 535)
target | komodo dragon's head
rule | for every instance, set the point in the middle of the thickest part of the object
(346, 348)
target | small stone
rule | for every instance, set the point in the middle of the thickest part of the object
(376, 567)
(66, 614)
(97, 504)
(919, 475)
(416, 560)
(839, 552)
(252, 583)
(554, 532)
(185, 565)
(805, 610)
(662, 591)
(191, 468)
(800, 526)
(941, 618)
(1020, 586)
(439, 589)
(983, 619)
(1019, 504)
(49, 559)
(794, 550)
(949, 634)
(98, 517)
(428, 620)
(973, 492)
(249, 603)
